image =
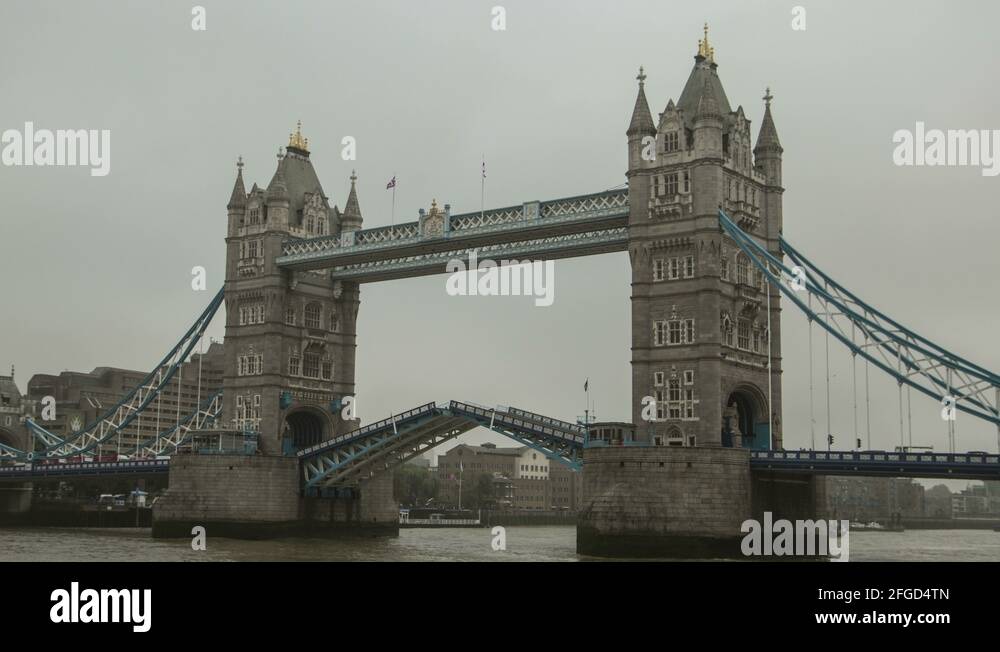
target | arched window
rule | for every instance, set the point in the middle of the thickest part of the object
(312, 318)
(742, 269)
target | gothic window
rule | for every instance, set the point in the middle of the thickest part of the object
(671, 141)
(689, 267)
(727, 331)
(290, 316)
(743, 334)
(310, 365)
(688, 331)
(742, 269)
(689, 377)
(756, 340)
(674, 331)
(687, 182)
(659, 333)
(309, 225)
(327, 370)
(293, 365)
(658, 378)
(674, 399)
(688, 406)
(724, 268)
(312, 318)
(659, 270)
(671, 184)
(254, 216)
(674, 269)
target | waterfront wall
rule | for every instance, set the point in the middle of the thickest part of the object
(15, 503)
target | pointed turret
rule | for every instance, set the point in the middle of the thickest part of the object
(767, 139)
(642, 119)
(350, 219)
(767, 151)
(239, 197)
(708, 106)
(278, 189)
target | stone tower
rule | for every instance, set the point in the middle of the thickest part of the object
(290, 336)
(700, 336)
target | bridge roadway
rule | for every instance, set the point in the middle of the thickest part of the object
(385, 444)
(560, 228)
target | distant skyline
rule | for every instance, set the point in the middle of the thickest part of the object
(97, 270)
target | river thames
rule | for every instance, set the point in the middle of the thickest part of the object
(542, 544)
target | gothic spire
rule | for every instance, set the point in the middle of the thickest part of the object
(239, 197)
(278, 189)
(767, 139)
(351, 219)
(708, 106)
(642, 120)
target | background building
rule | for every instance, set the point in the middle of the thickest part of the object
(82, 397)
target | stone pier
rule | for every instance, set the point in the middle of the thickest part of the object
(259, 497)
(15, 503)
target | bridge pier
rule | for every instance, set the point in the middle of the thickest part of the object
(664, 501)
(259, 497)
(15, 503)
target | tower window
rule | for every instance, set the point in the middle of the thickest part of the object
(659, 333)
(674, 271)
(310, 365)
(312, 316)
(671, 184)
(293, 365)
(689, 267)
(290, 316)
(659, 270)
(327, 370)
(743, 334)
(724, 269)
(658, 378)
(689, 377)
(687, 182)
(742, 269)
(671, 141)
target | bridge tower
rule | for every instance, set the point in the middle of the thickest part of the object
(290, 335)
(700, 337)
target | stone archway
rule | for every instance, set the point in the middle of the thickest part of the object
(745, 419)
(304, 428)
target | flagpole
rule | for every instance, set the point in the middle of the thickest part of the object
(482, 191)
(392, 224)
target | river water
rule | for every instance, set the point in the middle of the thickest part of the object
(555, 543)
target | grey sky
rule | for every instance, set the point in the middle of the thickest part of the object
(97, 270)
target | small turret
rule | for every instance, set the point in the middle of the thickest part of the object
(767, 152)
(238, 200)
(350, 219)
(641, 125)
(277, 195)
(708, 123)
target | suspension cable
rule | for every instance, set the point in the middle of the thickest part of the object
(812, 416)
(829, 428)
(770, 374)
(854, 391)
(868, 400)
(899, 383)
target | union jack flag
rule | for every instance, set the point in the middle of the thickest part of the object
(391, 184)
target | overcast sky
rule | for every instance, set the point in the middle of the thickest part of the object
(96, 270)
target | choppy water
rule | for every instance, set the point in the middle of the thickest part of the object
(556, 543)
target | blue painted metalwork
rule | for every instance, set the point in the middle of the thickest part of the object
(922, 359)
(961, 466)
(128, 408)
(21, 472)
(390, 442)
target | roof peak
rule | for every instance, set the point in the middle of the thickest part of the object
(238, 198)
(705, 50)
(642, 119)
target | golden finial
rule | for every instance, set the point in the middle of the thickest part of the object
(434, 206)
(704, 49)
(296, 140)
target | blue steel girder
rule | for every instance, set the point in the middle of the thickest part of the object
(586, 243)
(531, 221)
(959, 466)
(119, 416)
(388, 443)
(900, 353)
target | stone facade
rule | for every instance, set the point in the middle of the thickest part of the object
(663, 501)
(700, 333)
(290, 335)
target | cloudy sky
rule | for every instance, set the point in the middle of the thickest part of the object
(96, 270)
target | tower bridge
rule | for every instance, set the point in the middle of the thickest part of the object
(701, 220)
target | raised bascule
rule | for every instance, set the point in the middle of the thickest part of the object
(701, 222)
